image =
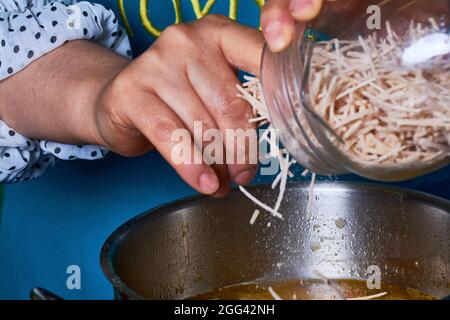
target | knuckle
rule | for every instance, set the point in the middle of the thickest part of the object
(177, 33)
(163, 128)
(154, 56)
(216, 18)
(147, 69)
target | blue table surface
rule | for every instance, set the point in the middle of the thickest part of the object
(63, 219)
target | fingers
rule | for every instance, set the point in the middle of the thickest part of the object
(153, 118)
(190, 109)
(277, 24)
(217, 89)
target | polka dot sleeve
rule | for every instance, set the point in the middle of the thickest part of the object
(28, 30)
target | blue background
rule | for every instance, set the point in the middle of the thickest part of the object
(64, 217)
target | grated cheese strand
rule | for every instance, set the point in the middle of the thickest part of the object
(251, 92)
(260, 203)
(274, 294)
(254, 217)
(374, 296)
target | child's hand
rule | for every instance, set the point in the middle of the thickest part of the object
(279, 16)
(187, 75)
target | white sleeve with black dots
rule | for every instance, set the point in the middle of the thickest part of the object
(28, 30)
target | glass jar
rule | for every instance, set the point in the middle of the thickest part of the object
(287, 83)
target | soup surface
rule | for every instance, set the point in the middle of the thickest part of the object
(313, 290)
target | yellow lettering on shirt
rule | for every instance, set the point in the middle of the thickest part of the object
(199, 12)
(196, 6)
(148, 25)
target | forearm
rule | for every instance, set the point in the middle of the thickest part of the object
(53, 98)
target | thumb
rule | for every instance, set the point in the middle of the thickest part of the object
(242, 46)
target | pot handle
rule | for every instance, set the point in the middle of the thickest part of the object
(43, 294)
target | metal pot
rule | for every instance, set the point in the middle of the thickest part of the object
(199, 244)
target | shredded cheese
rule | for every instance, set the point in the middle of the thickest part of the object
(254, 216)
(363, 90)
(386, 113)
(260, 203)
(252, 93)
(334, 286)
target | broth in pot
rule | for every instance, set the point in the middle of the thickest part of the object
(204, 248)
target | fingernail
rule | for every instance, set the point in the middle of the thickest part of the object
(275, 35)
(299, 6)
(246, 176)
(208, 183)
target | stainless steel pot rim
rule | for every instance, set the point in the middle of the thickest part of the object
(114, 240)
